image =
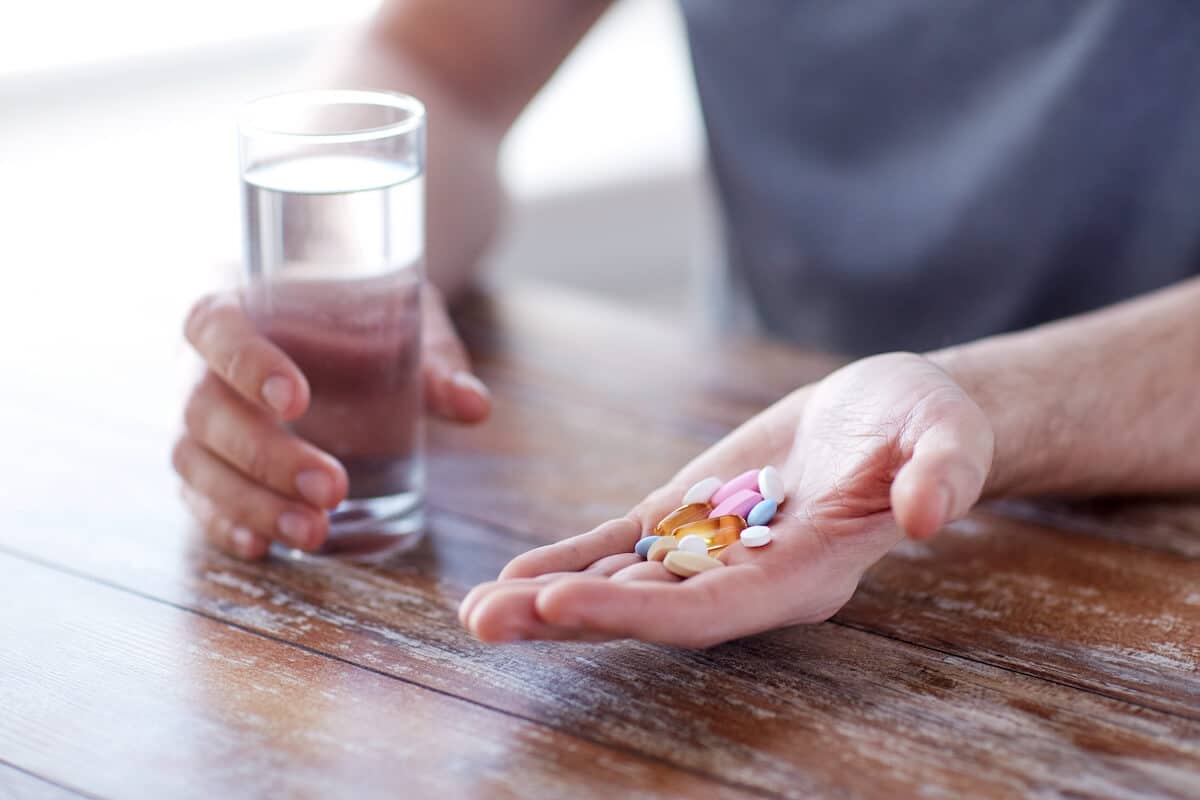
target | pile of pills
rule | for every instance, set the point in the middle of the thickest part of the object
(714, 515)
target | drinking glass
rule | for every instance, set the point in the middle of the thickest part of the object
(333, 196)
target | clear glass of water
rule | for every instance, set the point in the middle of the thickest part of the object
(334, 209)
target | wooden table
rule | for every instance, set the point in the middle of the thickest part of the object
(1028, 651)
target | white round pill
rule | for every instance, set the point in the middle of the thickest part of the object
(756, 536)
(703, 491)
(770, 484)
(693, 543)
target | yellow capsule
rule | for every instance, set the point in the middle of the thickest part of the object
(693, 512)
(717, 533)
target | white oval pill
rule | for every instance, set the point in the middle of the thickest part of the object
(694, 544)
(756, 536)
(703, 491)
(770, 484)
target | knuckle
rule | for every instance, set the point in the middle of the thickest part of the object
(200, 316)
(255, 460)
(641, 520)
(240, 365)
(248, 452)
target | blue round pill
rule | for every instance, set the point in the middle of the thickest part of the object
(644, 545)
(761, 514)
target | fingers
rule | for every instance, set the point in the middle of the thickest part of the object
(699, 612)
(606, 566)
(595, 608)
(507, 613)
(797, 579)
(800, 579)
(610, 565)
(576, 553)
(248, 505)
(451, 390)
(646, 571)
(250, 441)
(502, 613)
(946, 473)
(222, 533)
(256, 369)
(614, 536)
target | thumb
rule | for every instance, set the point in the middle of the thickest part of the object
(950, 463)
(451, 390)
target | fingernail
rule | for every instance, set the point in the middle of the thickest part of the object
(243, 541)
(277, 391)
(316, 487)
(465, 380)
(294, 528)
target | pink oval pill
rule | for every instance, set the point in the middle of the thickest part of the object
(739, 503)
(747, 480)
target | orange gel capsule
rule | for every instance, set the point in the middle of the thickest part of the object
(718, 533)
(682, 516)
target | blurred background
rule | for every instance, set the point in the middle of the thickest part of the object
(117, 147)
(119, 168)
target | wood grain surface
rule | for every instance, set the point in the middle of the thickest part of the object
(16, 784)
(196, 708)
(1028, 651)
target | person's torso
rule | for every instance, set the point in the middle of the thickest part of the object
(904, 174)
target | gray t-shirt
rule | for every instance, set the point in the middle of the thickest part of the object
(906, 174)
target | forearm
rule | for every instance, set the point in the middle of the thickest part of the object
(465, 200)
(1102, 403)
(475, 65)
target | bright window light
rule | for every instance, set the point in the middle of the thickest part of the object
(38, 36)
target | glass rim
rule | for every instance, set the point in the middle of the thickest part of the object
(250, 124)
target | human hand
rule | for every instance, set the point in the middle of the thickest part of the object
(247, 479)
(885, 446)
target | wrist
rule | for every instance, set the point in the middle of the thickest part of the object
(1100, 403)
(1002, 391)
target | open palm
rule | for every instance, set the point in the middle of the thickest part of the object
(885, 446)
